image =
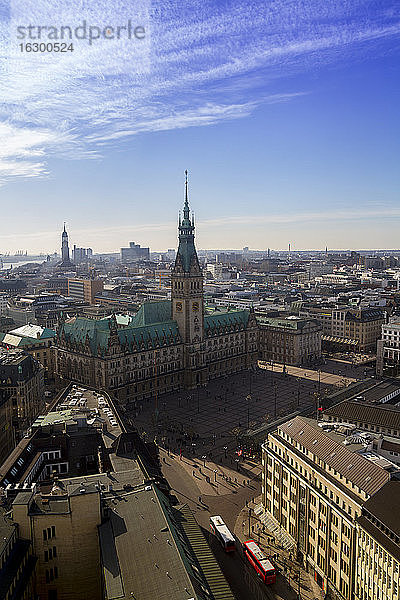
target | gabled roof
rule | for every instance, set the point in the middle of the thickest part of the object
(79, 330)
(152, 312)
(360, 471)
(14, 340)
(380, 517)
(364, 412)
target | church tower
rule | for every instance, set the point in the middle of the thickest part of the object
(187, 297)
(65, 261)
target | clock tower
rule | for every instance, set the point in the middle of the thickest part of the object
(187, 295)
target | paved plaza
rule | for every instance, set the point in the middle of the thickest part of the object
(209, 418)
(196, 433)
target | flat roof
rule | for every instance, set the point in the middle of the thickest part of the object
(139, 554)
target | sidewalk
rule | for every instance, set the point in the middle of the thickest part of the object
(250, 525)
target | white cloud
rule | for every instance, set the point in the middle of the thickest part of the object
(193, 69)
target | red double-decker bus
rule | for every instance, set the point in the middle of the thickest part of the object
(260, 562)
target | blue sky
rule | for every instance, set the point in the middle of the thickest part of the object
(285, 112)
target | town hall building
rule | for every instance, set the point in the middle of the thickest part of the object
(169, 345)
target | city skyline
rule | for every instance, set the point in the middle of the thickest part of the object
(285, 115)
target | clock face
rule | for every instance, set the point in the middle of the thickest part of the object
(178, 306)
(195, 306)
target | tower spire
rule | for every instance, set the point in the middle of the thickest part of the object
(186, 210)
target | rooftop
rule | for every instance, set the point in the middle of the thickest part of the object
(354, 411)
(285, 323)
(11, 357)
(34, 331)
(381, 517)
(363, 473)
(146, 565)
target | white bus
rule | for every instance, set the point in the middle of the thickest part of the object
(221, 531)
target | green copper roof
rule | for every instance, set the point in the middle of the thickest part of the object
(149, 336)
(186, 257)
(134, 337)
(152, 312)
(228, 319)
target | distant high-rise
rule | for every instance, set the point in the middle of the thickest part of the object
(134, 253)
(80, 255)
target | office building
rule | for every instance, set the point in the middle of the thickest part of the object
(289, 340)
(316, 480)
(378, 546)
(110, 533)
(22, 380)
(134, 253)
(3, 304)
(388, 348)
(80, 255)
(84, 290)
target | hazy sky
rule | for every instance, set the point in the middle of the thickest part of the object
(285, 112)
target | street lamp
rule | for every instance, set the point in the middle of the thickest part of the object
(237, 464)
(248, 398)
(204, 460)
(225, 449)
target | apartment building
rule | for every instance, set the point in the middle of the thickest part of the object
(314, 486)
